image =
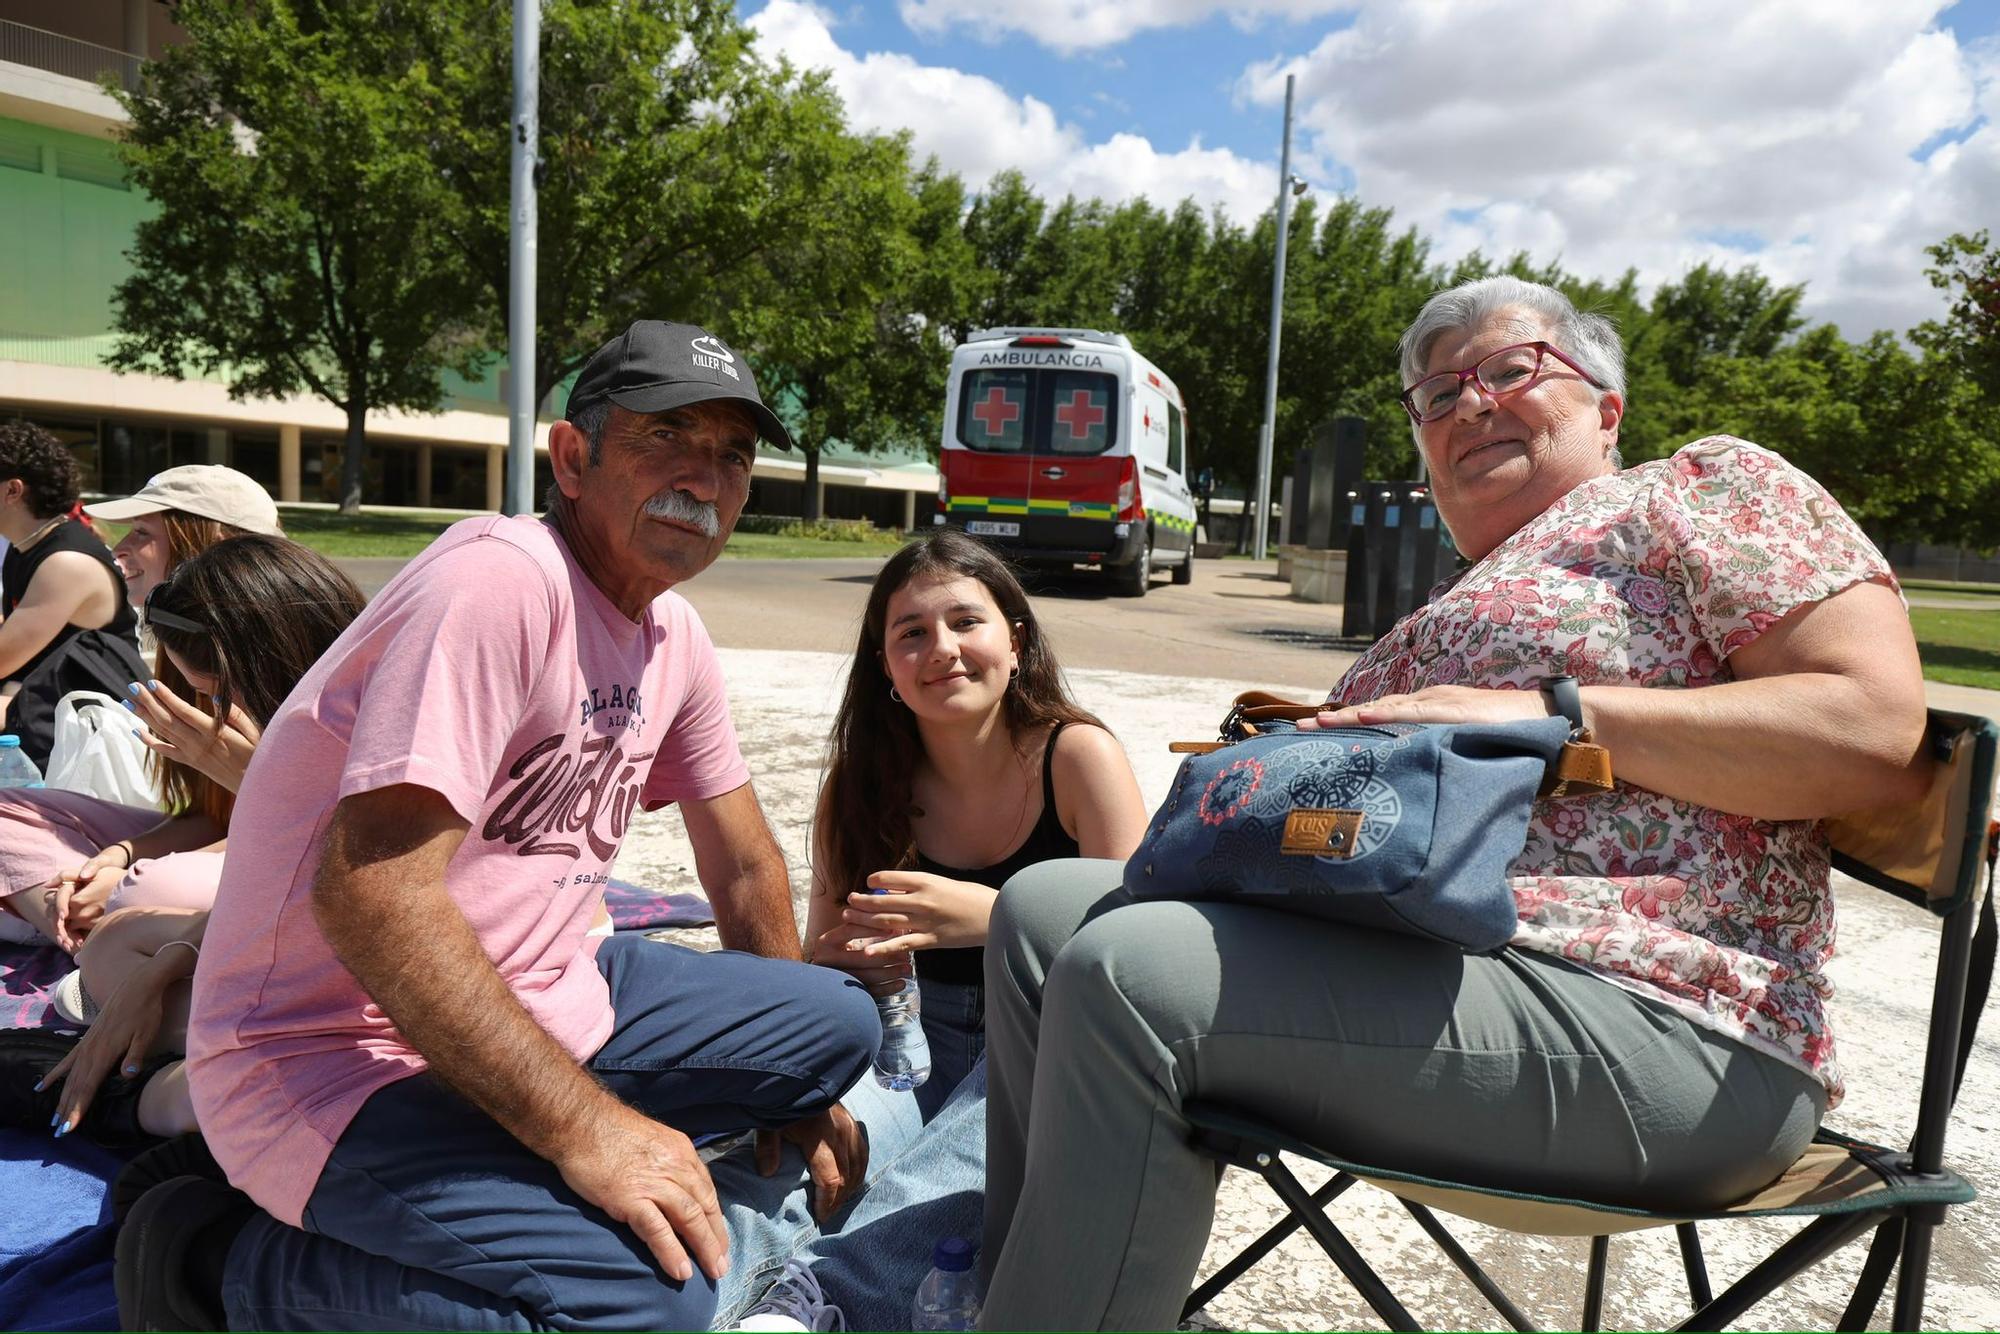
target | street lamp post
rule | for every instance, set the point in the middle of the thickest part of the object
(520, 493)
(1288, 185)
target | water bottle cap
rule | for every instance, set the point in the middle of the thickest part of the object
(10, 740)
(953, 1255)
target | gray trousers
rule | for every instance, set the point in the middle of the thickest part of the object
(1105, 1017)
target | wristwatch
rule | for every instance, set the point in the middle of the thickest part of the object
(1568, 698)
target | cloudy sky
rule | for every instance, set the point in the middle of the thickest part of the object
(1827, 141)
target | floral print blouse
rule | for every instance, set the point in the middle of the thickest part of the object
(1652, 577)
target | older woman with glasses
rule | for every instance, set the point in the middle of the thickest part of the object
(1656, 1033)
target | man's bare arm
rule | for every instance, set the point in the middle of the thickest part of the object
(381, 901)
(743, 873)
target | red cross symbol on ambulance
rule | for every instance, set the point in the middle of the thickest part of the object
(996, 412)
(1081, 414)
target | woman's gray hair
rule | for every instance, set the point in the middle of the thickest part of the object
(1587, 339)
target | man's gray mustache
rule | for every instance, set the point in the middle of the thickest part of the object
(680, 507)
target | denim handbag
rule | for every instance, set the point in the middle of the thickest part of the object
(1404, 827)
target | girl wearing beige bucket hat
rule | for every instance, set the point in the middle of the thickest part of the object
(179, 514)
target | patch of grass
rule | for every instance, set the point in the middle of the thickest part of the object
(781, 546)
(1960, 648)
(1946, 586)
(332, 534)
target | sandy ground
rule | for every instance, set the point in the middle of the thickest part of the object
(783, 701)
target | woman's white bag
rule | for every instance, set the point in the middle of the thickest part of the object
(98, 752)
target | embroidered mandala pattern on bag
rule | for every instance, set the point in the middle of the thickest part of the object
(1230, 791)
(1653, 577)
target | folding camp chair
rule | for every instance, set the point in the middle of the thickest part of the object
(1932, 853)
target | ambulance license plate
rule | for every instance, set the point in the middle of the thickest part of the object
(992, 528)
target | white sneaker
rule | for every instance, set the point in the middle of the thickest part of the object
(71, 1002)
(794, 1305)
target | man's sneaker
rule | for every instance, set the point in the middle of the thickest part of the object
(794, 1303)
(27, 1055)
(167, 1267)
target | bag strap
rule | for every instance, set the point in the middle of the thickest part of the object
(1583, 766)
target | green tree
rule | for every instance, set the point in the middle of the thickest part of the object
(822, 316)
(1967, 267)
(297, 245)
(666, 164)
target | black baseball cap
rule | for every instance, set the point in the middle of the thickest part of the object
(654, 366)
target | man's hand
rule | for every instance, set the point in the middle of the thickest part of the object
(918, 911)
(836, 1154)
(1437, 704)
(648, 1177)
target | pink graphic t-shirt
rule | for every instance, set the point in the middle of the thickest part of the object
(493, 672)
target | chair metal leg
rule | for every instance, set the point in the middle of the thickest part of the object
(1593, 1286)
(1874, 1276)
(1914, 1273)
(1338, 1248)
(1262, 1247)
(1699, 1294)
(1811, 1244)
(1494, 1294)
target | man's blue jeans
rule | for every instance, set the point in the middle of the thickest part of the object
(429, 1215)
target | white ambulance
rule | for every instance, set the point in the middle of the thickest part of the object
(1066, 447)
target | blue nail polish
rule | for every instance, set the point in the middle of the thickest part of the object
(61, 1131)
(137, 732)
(152, 685)
(128, 706)
(39, 1087)
(133, 689)
(131, 1070)
(55, 1120)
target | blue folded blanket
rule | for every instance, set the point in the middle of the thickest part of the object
(56, 1233)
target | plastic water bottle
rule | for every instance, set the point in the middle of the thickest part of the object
(17, 770)
(948, 1298)
(904, 1059)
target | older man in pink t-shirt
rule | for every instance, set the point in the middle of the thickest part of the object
(456, 1106)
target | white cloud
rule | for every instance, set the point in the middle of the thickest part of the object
(1660, 135)
(976, 128)
(1068, 26)
(1653, 135)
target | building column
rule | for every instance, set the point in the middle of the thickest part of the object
(424, 475)
(135, 27)
(218, 445)
(496, 476)
(288, 465)
(909, 511)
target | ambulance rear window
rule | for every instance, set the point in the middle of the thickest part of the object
(1045, 411)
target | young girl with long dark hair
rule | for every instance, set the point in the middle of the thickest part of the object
(240, 623)
(958, 758)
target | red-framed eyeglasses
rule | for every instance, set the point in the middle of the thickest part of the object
(1506, 371)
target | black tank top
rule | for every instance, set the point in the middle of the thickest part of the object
(105, 659)
(1047, 841)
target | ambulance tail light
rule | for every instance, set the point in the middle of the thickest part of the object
(1131, 506)
(1040, 340)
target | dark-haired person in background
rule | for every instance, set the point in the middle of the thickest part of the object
(67, 623)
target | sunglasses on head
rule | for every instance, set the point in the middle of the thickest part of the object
(162, 619)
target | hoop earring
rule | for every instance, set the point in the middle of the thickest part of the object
(1013, 673)
(893, 695)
